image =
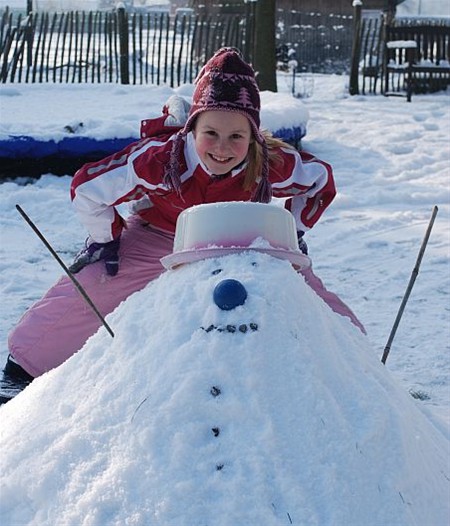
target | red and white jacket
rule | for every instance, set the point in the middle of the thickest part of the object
(136, 174)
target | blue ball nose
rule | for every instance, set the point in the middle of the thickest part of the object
(229, 294)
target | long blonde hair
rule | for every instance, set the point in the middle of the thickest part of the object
(255, 157)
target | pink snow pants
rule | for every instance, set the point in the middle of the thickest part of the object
(59, 324)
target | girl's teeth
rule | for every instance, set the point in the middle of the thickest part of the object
(220, 159)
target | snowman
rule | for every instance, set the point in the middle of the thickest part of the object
(230, 395)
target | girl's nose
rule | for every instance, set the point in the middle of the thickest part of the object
(229, 294)
(222, 144)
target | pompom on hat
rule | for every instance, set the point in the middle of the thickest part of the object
(225, 83)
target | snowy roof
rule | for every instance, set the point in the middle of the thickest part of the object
(425, 8)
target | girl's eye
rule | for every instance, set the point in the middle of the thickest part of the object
(211, 133)
(236, 136)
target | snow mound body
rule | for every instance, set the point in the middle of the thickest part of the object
(185, 418)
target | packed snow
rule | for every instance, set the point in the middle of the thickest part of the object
(311, 427)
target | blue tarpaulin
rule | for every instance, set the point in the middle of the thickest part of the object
(20, 147)
(27, 155)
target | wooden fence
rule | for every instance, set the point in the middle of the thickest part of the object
(140, 48)
(371, 56)
(431, 36)
(417, 59)
(136, 48)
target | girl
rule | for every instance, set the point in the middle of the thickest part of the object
(220, 154)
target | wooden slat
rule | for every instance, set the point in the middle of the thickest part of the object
(166, 51)
(38, 43)
(70, 48)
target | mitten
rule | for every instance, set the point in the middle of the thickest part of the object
(93, 252)
(302, 243)
(177, 108)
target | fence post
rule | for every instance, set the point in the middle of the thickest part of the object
(122, 19)
(390, 11)
(356, 48)
(28, 33)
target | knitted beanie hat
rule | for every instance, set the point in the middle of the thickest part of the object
(225, 83)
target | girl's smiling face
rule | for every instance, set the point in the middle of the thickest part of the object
(222, 139)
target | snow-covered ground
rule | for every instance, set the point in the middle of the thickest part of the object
(391, 163)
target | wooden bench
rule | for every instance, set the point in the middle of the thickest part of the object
(416, 59)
